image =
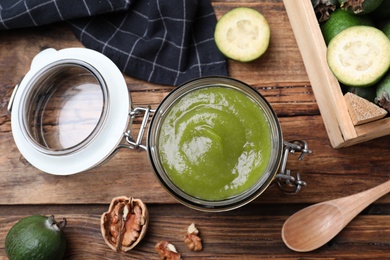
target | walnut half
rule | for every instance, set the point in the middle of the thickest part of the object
(124, 224)
(192, 239)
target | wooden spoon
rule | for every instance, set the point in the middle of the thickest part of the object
(314, 226)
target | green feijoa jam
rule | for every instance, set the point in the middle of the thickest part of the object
(215, 143)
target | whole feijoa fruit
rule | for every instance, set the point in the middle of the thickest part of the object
(383, 92)
(340, 20)
(36, 237)
(386, 27)
(360, 7)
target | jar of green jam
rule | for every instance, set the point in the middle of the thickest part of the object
(214, 143)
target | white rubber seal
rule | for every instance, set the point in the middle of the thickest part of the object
(106, 139)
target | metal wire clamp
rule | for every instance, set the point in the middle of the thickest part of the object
(287, 183)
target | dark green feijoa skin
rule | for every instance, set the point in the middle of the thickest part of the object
(360, 6)
(368, 93)
(382, 12)
(386, 27)
(340, 20)
(36, 237)
(383, 92)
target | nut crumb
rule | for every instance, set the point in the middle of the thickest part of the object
(167, 251)
(192, 239)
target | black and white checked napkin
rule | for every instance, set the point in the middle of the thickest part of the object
(161, 41)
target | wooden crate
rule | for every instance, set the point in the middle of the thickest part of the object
(326, 88)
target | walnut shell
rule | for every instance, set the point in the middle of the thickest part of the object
(125, 223)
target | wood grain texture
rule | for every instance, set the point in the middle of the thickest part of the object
(251, 232)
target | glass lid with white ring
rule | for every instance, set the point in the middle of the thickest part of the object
(70, 111)
(65, 107)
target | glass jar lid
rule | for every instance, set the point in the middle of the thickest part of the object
(70, 110)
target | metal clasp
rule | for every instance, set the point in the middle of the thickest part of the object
(287, 183)
(137, 143)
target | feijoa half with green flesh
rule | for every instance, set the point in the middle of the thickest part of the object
(359, 56)
(36, 237)
(242, 34)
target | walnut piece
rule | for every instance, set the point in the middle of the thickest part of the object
(167, 251)
(124, 224)
(192, 239)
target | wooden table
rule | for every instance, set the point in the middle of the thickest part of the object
(252, 231)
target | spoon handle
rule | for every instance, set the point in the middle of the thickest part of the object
(357, 202)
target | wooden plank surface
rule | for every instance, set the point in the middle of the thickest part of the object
(251, 232)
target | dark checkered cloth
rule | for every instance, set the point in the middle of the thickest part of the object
(161, 41)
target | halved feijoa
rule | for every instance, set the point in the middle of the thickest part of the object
(359, 56)
(242, 34)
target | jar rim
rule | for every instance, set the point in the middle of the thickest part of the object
(37, 90)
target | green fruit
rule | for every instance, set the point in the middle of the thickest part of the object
(36, 237)
(360, 7)
(382, 12)
(242, 34)
(383, 92)
(386, 27)
(323, 8)
(340, 20)
(359, 56)
(368, 93)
